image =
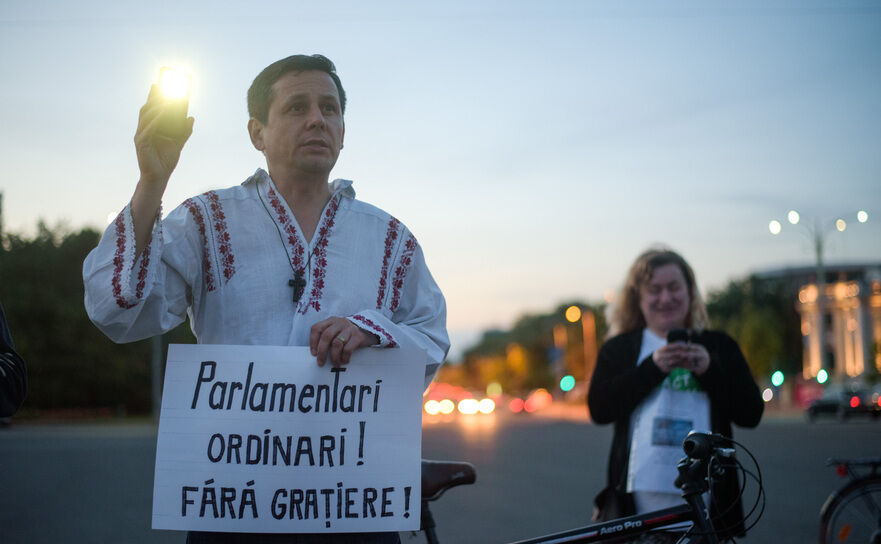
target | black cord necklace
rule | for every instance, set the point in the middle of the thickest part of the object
(299, 280)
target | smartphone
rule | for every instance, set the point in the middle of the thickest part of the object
(174, 84)
(679, 335)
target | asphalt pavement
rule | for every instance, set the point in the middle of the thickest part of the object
(92, 482)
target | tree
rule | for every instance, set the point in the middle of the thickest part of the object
(760, 315)
(520, 358)
(71, 364)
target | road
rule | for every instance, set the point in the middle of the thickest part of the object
(93, 482)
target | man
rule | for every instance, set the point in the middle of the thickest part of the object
(286, 258)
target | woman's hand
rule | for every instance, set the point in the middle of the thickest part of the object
(696, 359)
(692, 357)
(669, 357)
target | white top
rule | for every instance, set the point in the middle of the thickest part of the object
(658, 425)
(226, 258)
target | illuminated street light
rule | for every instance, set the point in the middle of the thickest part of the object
(777, 379)
(446, 406)
(432, 407)
(574, 314)
(817, 234)
(468, 406)
(493, 389)
(567, 383)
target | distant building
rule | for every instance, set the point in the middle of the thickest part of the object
(851, 314)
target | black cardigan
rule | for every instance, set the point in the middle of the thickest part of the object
(619, 384)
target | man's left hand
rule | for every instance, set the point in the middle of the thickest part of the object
(338, 338)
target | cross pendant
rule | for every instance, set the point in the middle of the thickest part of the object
(299, 284)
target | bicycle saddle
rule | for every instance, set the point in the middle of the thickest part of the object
(438, 476)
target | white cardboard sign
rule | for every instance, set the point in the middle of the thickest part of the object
(262, 439)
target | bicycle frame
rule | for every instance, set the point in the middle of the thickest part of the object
(706, 460)
(694, 511)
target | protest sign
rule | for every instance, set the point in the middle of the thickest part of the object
(262, 439)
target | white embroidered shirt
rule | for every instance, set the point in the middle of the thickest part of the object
(226, 258)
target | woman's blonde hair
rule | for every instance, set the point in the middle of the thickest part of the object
(626, 315)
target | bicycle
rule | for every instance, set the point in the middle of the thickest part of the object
(437, 478)
(707, 458)
(853, 512)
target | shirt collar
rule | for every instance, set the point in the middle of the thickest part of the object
(342, 186)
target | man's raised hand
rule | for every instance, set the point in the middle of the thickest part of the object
(158, 153)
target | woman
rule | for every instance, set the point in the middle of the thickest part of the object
(655, 392)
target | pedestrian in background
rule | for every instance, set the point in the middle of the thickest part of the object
(656, 391)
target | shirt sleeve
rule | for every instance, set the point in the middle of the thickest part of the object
(418, 318)
(13, 372)
(618, 384)
(730, 384)
(131, 297)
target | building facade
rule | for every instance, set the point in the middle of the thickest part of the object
(847, 342)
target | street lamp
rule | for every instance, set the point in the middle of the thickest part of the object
(817, 233)
(574, 314)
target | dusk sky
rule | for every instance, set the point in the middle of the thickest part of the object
(534, 148)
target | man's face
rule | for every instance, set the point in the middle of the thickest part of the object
(304, 129)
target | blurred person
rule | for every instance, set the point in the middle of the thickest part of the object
(655, 392)
(13, 373)
(286, 258)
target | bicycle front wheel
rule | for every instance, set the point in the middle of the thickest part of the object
(853, 513)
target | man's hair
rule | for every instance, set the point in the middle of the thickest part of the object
(260, 91)
(626, 314)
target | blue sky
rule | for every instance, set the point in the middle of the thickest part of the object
(535, 148)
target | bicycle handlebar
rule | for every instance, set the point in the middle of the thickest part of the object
(702, 445)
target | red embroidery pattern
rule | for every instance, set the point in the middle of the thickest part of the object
(320, 255)
(390, 238)
(142, 272)
(118, 261)
(376, 328)
(319, 272)
(290, 229)
(206, 259)
(401, 272)
(227, 259)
